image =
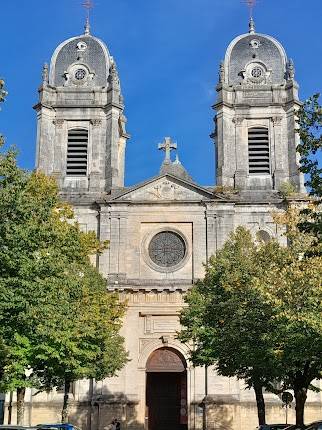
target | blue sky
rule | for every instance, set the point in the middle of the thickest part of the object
(168, 53)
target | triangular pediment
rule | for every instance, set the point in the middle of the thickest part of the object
(165, 188)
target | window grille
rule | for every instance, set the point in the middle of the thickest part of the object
(258, 151)
(77, 152)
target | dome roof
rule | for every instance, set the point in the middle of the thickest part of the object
(84, 52)
(176, 169)
(258, 52)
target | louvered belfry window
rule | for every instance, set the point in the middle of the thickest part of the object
(258, 151)
(77, 148)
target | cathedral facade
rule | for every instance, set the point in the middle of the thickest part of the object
(162, 231)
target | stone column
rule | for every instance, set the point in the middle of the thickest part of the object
(277, 155)
(241, 154)
(122, 242)
(112, 143)
(114, 242)
(60, 150)
(225, 223)
(219, 149)
(95, 171)
(211, 232)
(105, 235)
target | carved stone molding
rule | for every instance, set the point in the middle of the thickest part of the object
(58, 123)
(276, 120)
(96, 122)
(238, 120)
(143, 296)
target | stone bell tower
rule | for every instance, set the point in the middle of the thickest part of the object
(255, 123)
(81, 136)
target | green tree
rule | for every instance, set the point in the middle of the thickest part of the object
(58, 323)
(310, 150)
(3, 352)
(83, 339)
(3, 94)
(227, 318)
(295, 292)
(257, 314)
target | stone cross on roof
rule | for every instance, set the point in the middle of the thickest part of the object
(167, 147)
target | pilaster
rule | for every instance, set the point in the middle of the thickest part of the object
(241, 153)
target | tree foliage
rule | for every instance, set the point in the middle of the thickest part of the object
(57, 321)
(310, 150)
(227, 317)
(3, 94)
(257, 314)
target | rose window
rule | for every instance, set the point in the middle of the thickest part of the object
(257, 72)
(80, 74)
(167, 249)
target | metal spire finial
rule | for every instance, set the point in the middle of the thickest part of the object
(251, 25)
(251, 4)
(87, 27)
(88, 5)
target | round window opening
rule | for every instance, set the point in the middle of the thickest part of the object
(80, 74)
(257, 72)
(167, 249)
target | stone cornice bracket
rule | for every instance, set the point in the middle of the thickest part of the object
(96, 122)
(58, 123)
(238, 120)
(276, 120)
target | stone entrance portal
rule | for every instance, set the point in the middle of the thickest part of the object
(166, 391)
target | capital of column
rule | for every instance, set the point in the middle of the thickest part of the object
(59, 123)
(96, 122)
(238, 120)
(276, 120)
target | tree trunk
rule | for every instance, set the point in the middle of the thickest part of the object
(300, 399)
(260, 402)
(20, 405)
(64, 413)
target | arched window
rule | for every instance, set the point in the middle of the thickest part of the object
(258, 151)
(77, 148)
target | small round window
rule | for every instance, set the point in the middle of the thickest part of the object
(257, 72)
(80, 74)
(167, 249)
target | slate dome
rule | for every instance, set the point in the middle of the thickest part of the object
(175, 168)
(255, 58)
(80, 60)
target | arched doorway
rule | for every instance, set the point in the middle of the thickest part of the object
(166, 390)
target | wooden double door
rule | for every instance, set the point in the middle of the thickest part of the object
(166, 401)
